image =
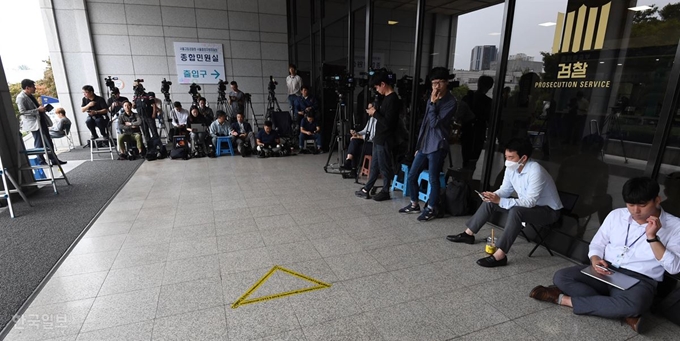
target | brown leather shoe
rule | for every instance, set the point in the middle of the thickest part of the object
(634, 322)
(546, 294)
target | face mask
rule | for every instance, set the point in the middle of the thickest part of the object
(511, 165)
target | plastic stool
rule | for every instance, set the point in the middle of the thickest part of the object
(38, 173)
(425, 175)
(366, 169)
(402, 186)
(224, 151)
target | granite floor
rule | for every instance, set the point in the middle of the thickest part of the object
(185, 239)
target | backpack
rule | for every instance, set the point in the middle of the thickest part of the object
(163, 152)
(460, 198)
(179, 153)
(670, 306)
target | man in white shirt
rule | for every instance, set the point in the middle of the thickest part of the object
(294, 84)
(641, 241)
(538, 202)
(179, 119)
(356, 144)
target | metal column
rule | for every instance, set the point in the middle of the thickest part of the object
(492, 131)
(417, 59)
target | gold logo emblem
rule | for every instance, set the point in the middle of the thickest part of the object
(583, 29)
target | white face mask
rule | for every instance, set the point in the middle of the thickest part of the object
(511, 165)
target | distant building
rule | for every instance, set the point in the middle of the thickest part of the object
(520, 63)
(482, 56)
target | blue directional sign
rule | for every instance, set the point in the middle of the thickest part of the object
(199, 62)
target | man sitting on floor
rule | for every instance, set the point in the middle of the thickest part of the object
(267, 139)
(128, 125)
(538, 201)
(310, 130)
(641, 241)
(241, 132)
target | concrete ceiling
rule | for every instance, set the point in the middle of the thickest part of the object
(447, 7)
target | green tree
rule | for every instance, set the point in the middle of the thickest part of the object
(460, 91)
(45, 86)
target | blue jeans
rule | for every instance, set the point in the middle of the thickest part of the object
(291, 102)
(316, 137)
(381, 164)
(435, 161)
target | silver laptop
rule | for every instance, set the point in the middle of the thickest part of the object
(615, 279)
(198, 128)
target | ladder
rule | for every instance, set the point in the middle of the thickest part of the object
(7, 192)
(49, 156)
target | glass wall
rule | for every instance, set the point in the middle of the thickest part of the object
(585, 82)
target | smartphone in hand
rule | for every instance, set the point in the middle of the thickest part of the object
(480, 195)
(48, 107)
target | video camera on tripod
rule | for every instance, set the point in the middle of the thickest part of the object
(110, 82)
(138, 87)
(221, 90)
(272, 84)
(193, 90)
(341, 83)
(165, 89)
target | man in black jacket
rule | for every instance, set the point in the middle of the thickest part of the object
(387, 117)
(242, 132)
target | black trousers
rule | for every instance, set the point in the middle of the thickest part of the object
(97, 121)
(149, 128)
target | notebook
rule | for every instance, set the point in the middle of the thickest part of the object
(615, 279)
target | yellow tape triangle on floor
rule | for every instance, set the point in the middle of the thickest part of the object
(243, 300)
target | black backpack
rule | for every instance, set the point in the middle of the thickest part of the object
(179, 153)
(460, 199)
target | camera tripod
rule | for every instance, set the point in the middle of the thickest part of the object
(222, 103)
(338, 137)
(248, 104)
(272, 103)
(167, 109)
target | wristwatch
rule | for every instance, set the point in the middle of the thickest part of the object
(655, 239)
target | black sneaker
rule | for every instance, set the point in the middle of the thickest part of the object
(362, 193)
(410, 209)
(461, 238)
(122, 157)
(491, 262)
(382, 196)
(427, 215)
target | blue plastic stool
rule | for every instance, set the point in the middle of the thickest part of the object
(425, 175)
(402, 186)
(224, 151)
(38, 173)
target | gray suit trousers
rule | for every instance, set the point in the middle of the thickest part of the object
(537, 215)
(592, 297)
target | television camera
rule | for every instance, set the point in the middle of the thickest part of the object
(221, 90)
(138, 87)
(165, 89)
(341, 83)
(272, 84)
(110, 82)
(193, 90)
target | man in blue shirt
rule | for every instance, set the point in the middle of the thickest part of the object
(538, 201)
(433, 144)
(310, 130)
(305, 104)
(267, 138)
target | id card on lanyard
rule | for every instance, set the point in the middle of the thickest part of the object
(623, 250)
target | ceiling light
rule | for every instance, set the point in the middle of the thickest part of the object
(494, 34)
(547, 24)
(619, 64)
(392, 22)
(640, 8)
(657, 59)
(601, 62)
(436, 53)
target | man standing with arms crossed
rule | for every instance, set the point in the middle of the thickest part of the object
(433, 144)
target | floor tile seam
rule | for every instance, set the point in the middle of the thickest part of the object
(98, 291)
(222, 304)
